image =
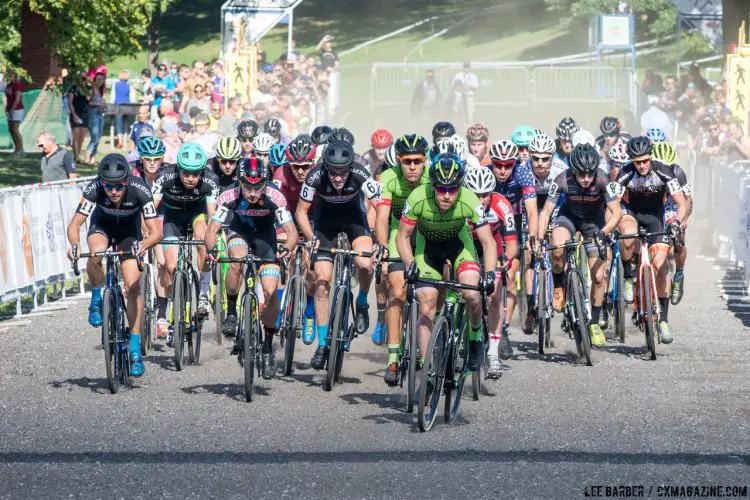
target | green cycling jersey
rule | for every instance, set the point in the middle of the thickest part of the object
(421, 210)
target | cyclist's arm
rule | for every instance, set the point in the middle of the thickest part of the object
(403, 240)
(511, 248)
(292, 235)
(302, 216)
(218, 219)
(154, 233)
(544, 216)
(528, 190)
(489, 247)
(383, 215)
(74, 228)
(614, 219)
(683, 207)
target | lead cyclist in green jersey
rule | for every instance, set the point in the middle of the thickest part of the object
(396, 184)
(438, 212)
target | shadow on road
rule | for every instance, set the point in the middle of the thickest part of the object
(232, 391)
(164, 362)
(530, 350)
(97, 385)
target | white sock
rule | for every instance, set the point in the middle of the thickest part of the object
(494, 343)
(205, 282)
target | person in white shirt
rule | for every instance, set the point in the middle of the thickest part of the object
(655, 117)
(469, 84)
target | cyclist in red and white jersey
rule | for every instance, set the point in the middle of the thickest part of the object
(478, 137)
(380, 141)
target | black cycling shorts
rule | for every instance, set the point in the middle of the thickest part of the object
(587, 227)
(352, 223)
(176, 222)
(653, 221)
(262, 245)
(124, 231)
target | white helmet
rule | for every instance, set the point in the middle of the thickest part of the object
(460, 146)
(619, 153)
(583, 137)
(542, 143)
(263, 143)
(504, 150)
(538, 131)
(390, 157)
(480, 180)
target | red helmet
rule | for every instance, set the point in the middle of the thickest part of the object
(253, 172)
(381, 139)
(478, 133)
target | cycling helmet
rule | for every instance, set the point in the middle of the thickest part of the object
(339, 155)
(410, 144)
(639, 146)
(300, 150)
(583, 137)
(656, 135)
(610, 125)
(522, 136)
(584, 159)
(263, 143)
(460, 146)
(566, 128)
(320, 134)
(442, 130)
(480, 180)
(478, 133)
(504, 150)
(381, 139)
(272, 127)
(113, 168)
(538, 131)
(253, 172)
(247, 129)
(390, 156)
(277, 156)
(191, 157)
(228, 148)
(150, 147)
(341, 134)
(447, 171)
(618, 154)
(542, 143)
(665, 153)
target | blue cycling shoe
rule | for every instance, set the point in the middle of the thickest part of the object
(308, 334)
(136, 360)
(378, 335)
(95, 313)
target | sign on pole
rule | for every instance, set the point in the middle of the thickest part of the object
(739, 81)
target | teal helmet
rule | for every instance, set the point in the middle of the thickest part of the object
(191, 157)
(277, 155)
(522, 136)
(151, 147)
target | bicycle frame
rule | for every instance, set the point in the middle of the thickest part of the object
(543, 265)
(343, 264)
(613, 292)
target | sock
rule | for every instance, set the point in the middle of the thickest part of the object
(232, 304)
(310, 308)
(362, 298)
(530, 301)
(678, 273)
(381, 313)
(494, 343)
(135, 342)
(161, 306)
(627, 269)
(475, 333)
(322, 333)
(205, 282)
(268, 340)
(393, 350)
(557, 279)
(595, 313)
(664, 305)
(96, 295)
(279, 293)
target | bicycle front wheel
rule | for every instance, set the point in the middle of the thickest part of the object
(248, 327)
(336, 332)
(109, 340)
(520, 287)
(148, 328)
(195, 323)
(459, 354)
(290, 321)
(179, 299)
(583, 340)
(433, 375)
(217, 279)
(649, 315)
(410, 341)
(542, 305)
(620, 302)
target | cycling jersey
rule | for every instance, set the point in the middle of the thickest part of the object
(394, 191)
(499, 215)
(380, 169)
(224, 180)
(332, 203)
(136, 169)
(542, 187)
(176, 196)
(519, 187)
(582, 203)
(647, 193)
(288, 185)
(558, 158)
(370, 161)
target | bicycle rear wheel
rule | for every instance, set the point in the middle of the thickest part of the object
(148, 310)
(335, 331)
(460, 359)
(217, 279)
(179, 298)
(248, 327)
(541, 301)
(433, 375)
(619, 305)
(520, 287)
(109, 340)
(290, 320)
(583, 340)
(195, 322)
(649, 315)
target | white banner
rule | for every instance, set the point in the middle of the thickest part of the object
(17, 243)
(48, 241)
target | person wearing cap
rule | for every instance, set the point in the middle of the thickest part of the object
(162, 85)
(202, 135)
(329, 60)
(141, 123)
(655, 117)
(467, 82)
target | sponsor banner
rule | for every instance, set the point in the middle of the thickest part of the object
(48, 241)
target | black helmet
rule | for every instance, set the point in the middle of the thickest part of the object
(320, 134)
(247, 129)
(584, 159)
(341, 134)
(339, 155)
(272, 126)
(447, 170)
(639, 146)
(566, 128)
(411, 144)
(113, 168)
(610, 125)
(443, 130)
(301, 150)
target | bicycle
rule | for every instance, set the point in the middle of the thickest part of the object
(447, 356)
(115, 335)
(615, 298)
(575, 315)
(341, 330)
(293, 303)
(218, 290)
(185, 292)
(248, 342)
(542, 291)
(148, 292)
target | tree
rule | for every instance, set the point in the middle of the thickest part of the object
(154, 9)
(734, 12)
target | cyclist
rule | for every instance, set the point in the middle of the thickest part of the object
(564, 132)
(521, 137)
(252, 210)
(645, 183)
(262, 145)
(395, 186)
(586, 192)
(150, 160)
(277, 157)
(336, 185)
(389, 161)
(277, 129)
(618, 158)
(461, 148)
(478, 137)
(319, 136)
(499, 214)
(224, 164)
(188, 191)
(438, 213)
(612, 133)
(380, 141)
(117, 201)
(246, 132)
(441, 131)
(656, 135)
(542, 147)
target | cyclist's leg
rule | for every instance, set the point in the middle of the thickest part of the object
(628, 248)
(361, 240)
(236, 248)
(98, 241)
(264, 246)
(395, 304)
(175, 227)
(323, 272)
(429, 266)
(597, 271)
(563, 230)
(515, 265)
(466, 269)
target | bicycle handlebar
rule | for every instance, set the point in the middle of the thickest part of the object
(247, 258)
(640, 235)
(196, 243)
(105, 253)
(355, 253)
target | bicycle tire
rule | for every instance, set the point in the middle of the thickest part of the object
(460, 357)
(143, 285)
(433, 375)
(218, 302)
(520, 286)
(583, 340)
(619, 308)
(649, 316)
(542, 311)
(248, 326)
(196, 324)
(334, 348)
(477, 377)
(290, 321)
(109, 344)
(411, 340)
(178, 318)
(124, 352)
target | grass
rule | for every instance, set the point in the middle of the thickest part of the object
(26, 169)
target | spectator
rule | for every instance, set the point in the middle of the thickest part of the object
(652, 83)
(202, 135)
(141, 124)
(167, 114)
(79, 114)
(710, 140)
(702, 86)
(57, 163)
(670, 96)
(655, 117)
(183, 75)
(260, 113)
(427, 98)
(171, 138)
(162, 86)
(122, 93)
(143, 90)
(14, 110)
(293, 54)
(228, 122)
(468, 85)
(96, 115)
(328, 58)
(211, 93)
(737, 143)
(199, 100)
(217, 70)
(214, 116)
(198, 77)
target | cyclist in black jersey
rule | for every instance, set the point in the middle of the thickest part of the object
(224, 164)
(116, 201)
(246, 132)
(337, 185)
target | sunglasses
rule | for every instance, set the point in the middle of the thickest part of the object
(40, 145)
(540, 158)
(198, 90)
(114, 187)
(228, 162)
(585, 176)
(190, 174)
(252, 187)
(201, 124)
(446, 190)
(412, 161)
(640, 162)
(338, 174)
(153, 159)
(300, 166)
(246, 140)
(504, 165)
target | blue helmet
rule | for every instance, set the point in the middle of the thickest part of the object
(151, 147)
(277, 155)
(522, 136)
(656, 135)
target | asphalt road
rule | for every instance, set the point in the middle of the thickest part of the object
(550, 428)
